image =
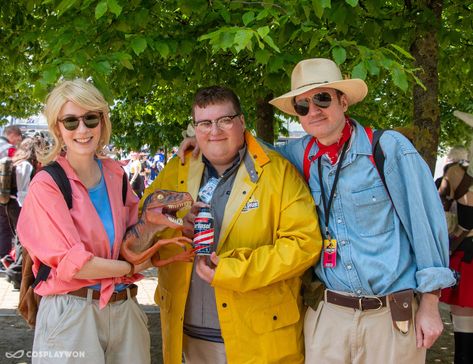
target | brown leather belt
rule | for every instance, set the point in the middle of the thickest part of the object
(117, 296)
(358, 303)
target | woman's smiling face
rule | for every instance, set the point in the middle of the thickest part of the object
(83, 140)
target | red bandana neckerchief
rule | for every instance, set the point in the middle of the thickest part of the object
(333, 150)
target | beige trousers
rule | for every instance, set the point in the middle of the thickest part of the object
(340, 335)
(203, 352)
(71, 329)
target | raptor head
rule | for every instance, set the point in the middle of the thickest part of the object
(161, 207)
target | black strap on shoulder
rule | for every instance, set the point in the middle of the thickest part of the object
(464, 186)
(43, 274)
(378, 156)
(59, 176)
(124, 187)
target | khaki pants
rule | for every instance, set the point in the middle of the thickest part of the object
(340, 335)
(71, 329)
(203, 352)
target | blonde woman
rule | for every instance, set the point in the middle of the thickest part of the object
(88, 311)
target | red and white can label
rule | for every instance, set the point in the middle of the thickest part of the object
(203, 236)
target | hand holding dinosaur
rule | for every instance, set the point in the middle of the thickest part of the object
(159, 213)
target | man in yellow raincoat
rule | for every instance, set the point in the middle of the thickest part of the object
(242, 304)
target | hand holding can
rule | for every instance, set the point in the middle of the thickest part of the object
(203, 232)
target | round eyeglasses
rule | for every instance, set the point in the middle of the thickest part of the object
(223, 123)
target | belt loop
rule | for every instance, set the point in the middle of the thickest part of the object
(325, 295)
(90, 293)
(128, 293)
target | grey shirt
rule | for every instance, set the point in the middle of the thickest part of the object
(201, 317)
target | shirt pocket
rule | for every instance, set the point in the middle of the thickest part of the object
(272, 308)
(373, 211)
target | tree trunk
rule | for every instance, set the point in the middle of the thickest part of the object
(264, 119)
(426, 118)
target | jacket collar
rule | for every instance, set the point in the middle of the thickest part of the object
(107, 163)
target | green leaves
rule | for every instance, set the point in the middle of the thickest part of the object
(64, 5)
(352, 3)
(50, 74)
(242, 39)
(400, 79)
(162, 48)
(107, 5)
(238, 38)
(101, 9)
(138, 45)
(114, 7)
(359, 71)
(339, 55)
(248, 17)
(102, 67)
(133, 47)
(319, 6)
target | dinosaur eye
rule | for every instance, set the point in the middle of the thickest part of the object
(160, 196)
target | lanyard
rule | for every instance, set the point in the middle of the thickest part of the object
(332, 192)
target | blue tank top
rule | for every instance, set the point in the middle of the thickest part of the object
(99, 197)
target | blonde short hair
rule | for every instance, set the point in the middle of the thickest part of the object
(83, 94)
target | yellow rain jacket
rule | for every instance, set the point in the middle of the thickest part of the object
(269, 237)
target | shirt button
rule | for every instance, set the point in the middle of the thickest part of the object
(339, 221)
(224, 305)
(374, 199)
(343, 242)
(349, 266)
(358, 291)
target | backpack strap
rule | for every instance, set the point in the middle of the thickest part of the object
(43, 274)
(464, 186)
(60, 177)
(378, 156)
(124, 187)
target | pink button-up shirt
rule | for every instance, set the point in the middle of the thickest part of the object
(67, 239)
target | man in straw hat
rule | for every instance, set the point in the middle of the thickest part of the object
(457, 185)
(380, 245)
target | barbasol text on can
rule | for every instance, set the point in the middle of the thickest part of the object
(203, 232)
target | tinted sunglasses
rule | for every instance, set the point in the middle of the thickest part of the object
(91, 120)
(322, 100)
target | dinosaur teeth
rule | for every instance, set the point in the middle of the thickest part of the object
(177, 207)
(175, 220)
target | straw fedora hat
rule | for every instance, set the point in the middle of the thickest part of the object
(467, 118)
(319, 72)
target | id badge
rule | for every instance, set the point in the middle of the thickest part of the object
(207, 190)
(330, 253)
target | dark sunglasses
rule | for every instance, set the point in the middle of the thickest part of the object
(91, 120)
(322, 100)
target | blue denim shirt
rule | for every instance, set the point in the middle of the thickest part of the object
(381, 249)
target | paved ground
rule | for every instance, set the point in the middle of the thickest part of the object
(16, 337)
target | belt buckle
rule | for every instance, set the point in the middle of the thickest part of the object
(360, 303)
